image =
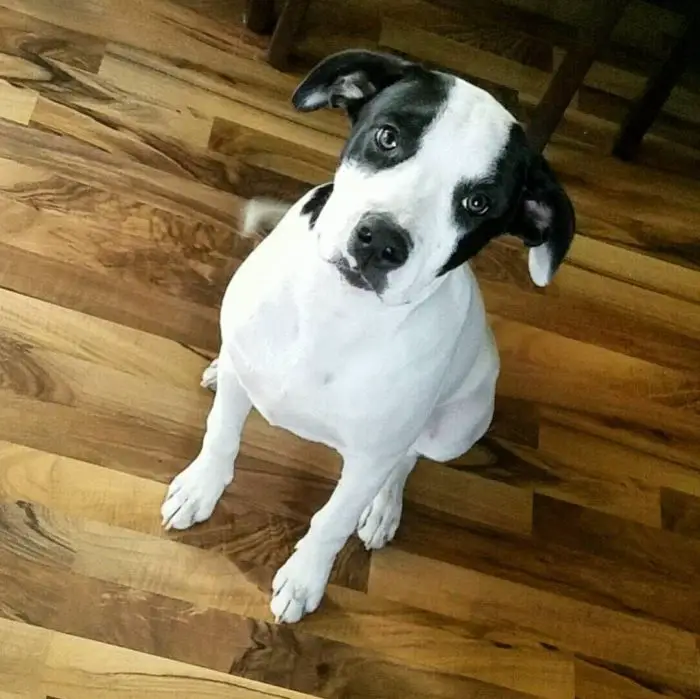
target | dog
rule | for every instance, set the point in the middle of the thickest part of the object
(356, 323)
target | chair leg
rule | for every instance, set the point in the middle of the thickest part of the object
(571, 73)
(260, 16)
(647, 107)
(288, 24)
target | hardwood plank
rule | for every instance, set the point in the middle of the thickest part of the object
(35, 45)
(24, 649)
(568, 624)
(80, 489)
(454, 55)
(607, 536)
(251, 524)
(614, 109)
(32, 323)
(17, 103)
(647, 440)
(637, 269)
(655, 397)
(80, 163)
(35, 563)
(74, 223)
(117, 441)
(605, 457)
(75, 667)
(265, 149)
(74, 288)
(547, 566)
(584, 481)
(463, 495)
(596, 680)
(623, 205)
(106, 130)
(160, 626)
(589, 306)
(394, 632)
(163, 28)
(680, 512)
(254, 88)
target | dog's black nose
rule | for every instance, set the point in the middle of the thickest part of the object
(380, 244)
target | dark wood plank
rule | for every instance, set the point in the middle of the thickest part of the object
(680, 512)
(627, 543)
(547, 565)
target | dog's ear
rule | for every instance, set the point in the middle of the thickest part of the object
(545, 221)
(348, 79)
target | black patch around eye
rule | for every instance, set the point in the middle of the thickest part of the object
(472, 242)
(505, 192)
(410, 106)
(314, 206)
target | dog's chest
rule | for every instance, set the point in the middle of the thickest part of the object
(310, 377)
(316, 363)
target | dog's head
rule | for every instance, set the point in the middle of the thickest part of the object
(433, 169)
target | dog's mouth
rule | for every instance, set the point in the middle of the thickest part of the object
(352, 276)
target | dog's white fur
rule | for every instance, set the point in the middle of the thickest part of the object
(382, 380)
(310, 352)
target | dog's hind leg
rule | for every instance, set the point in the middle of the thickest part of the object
(381, 519)
(210, 375)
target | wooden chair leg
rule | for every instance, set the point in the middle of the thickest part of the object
(646, 108)
(260, 16)
(288, 24)
(571, 73)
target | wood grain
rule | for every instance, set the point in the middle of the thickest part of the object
(556, 560)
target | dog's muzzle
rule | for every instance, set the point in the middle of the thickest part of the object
(377, 246)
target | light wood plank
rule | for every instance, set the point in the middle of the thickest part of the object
(75, 668)
(16, 104)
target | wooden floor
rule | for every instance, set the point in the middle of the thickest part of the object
(559, 559)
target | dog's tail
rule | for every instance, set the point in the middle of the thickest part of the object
(261, 216)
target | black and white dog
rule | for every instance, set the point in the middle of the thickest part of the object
(355, 323)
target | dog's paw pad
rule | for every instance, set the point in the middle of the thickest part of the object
(380, 520)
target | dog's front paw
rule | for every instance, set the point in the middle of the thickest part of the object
(193, 494)
(380, 520)
(299, 585)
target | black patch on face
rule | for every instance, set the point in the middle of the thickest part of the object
(314, 206)
(504, 189)
(409, 106)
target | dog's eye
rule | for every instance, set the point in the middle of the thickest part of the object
(387, 138)
(477, 204)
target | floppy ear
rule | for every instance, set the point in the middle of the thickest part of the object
(348, 79)
(545, 221)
